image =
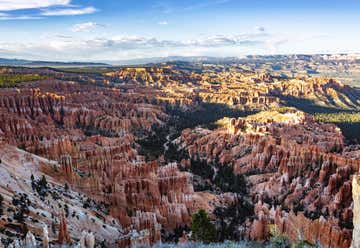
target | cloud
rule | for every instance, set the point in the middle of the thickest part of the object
(21, 17)
(9, 5)
(163, 23)
(136, 42)
(61, 47)
(5, 16)
(229, 40)
(41, 8)
(59, 36)
(119, 47)
(260, 29)
(69, 11)
(85, 27)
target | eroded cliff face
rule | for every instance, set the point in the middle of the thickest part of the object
(238, 88)
(64, 109)
(141, 195)
(356, 220)
(298, 175)
(50, 212)
(90, 133)
(298, 172)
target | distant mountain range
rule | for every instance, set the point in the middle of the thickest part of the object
(217, 60)
(190, 59)
(32, 63)
(154, 60)
(140, 61)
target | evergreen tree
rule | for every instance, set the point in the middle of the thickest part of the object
(1, 204)
(43, 182)
(201, 227)
(33, 183)
(66, 187)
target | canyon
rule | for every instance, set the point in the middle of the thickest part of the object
(75, 169)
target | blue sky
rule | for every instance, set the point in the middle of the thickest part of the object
(98, 30)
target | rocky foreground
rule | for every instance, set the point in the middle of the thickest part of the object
(72, 171)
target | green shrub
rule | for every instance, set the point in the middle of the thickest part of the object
(302, 244)
(278, 240)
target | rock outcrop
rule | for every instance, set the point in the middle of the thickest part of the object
(356, 220)
(63, 238)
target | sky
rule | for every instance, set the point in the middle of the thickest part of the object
(113, 30)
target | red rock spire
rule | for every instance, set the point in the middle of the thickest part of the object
(63, 237)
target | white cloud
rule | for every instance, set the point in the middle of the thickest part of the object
(21, 17)
(229, 40)
(5, 16)
(135, 42)
(41, 8)
(260, 29)
(78, 48)
(163, 23)
(120, 47)
(85, 26)
(8, 5)
(69, 11)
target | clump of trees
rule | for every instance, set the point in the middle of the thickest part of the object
(174, 235)
(87, 203)
(278, 239)
(152, 146)
(206, 115)
(11, 80)
(22, 203)
(41, 186)
(229, 218)
(227, 181)
(201, 168)
(350, 117)
(201, 227)
(348, 122)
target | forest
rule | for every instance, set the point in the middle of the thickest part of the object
(348, 122)
(12, 80)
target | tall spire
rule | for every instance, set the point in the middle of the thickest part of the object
(45, 237)
(63, 237)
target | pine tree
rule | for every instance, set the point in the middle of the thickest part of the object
(1, 204)
(201, 227)
(66, 187)
(43, 182)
